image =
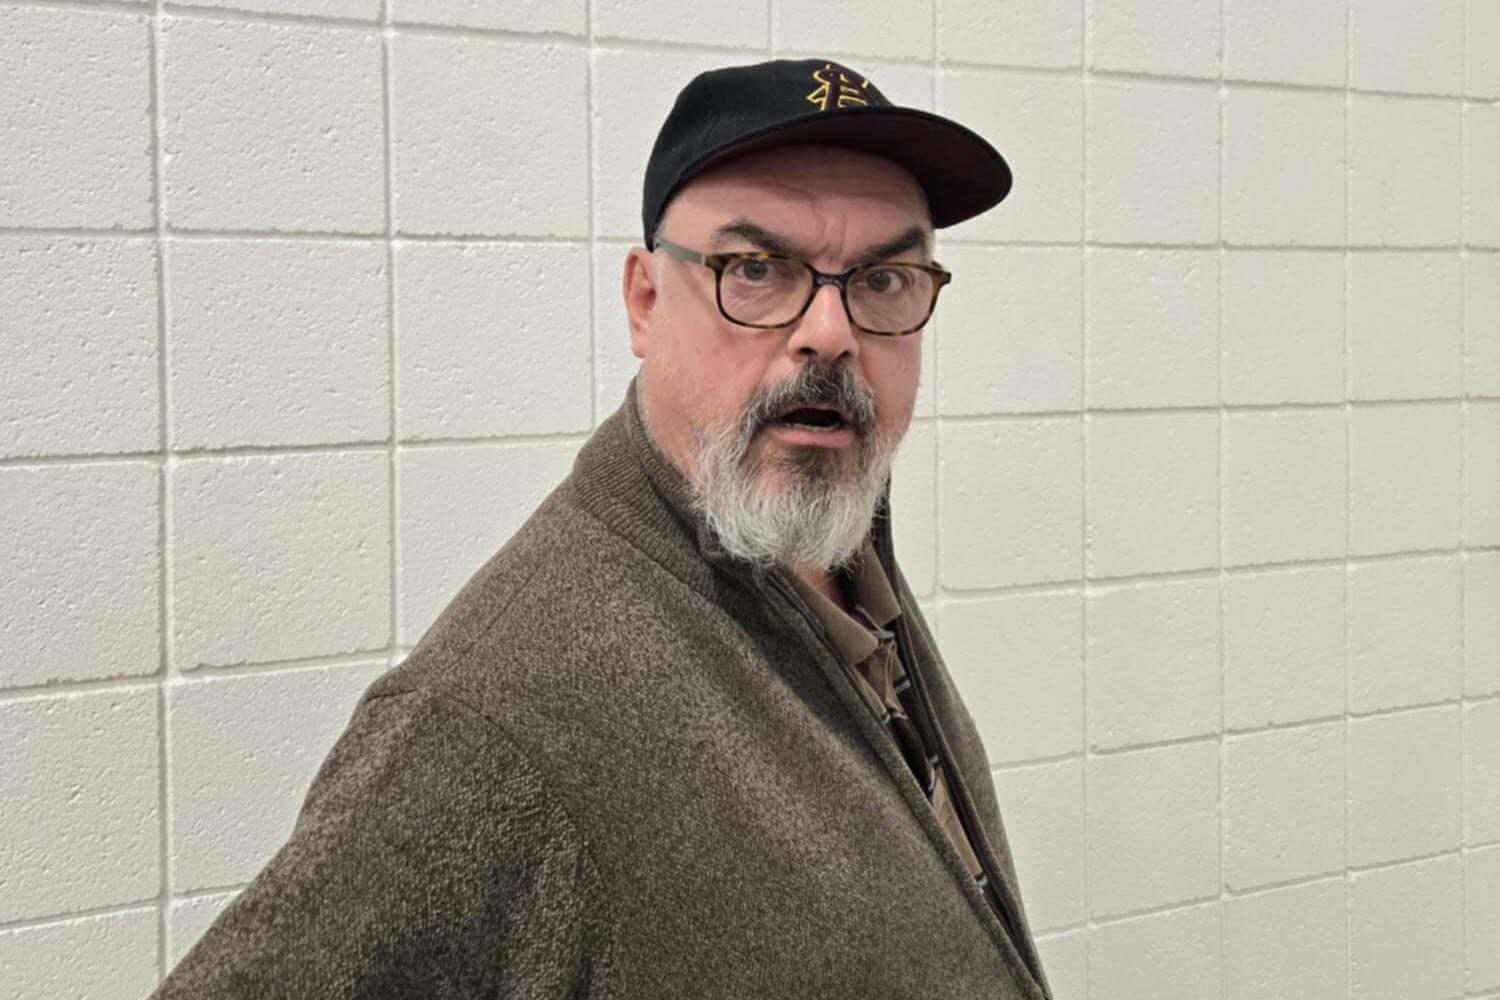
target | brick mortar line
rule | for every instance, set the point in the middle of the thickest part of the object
(1236, 734)
(1204, 573)
(1085, 38)
(1463, 494)
(592, 226)
(144, 11)
(1221, 496)
(393, 411)
(396, 236)
(416, 445)
(144, 905)
(188, 678)
(1348, 422)
(599, 240)
(165, 577)
(577, 436)
(191, 895)
(1457, 853)
(24, 693)
(1330, 877)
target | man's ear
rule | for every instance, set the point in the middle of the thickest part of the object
(639, 288)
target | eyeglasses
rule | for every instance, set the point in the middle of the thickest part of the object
(767, 290)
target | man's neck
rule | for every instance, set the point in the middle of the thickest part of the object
(823, 582)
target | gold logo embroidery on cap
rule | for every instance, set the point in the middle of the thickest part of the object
(837, 88)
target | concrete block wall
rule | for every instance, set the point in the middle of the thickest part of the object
(305, 305)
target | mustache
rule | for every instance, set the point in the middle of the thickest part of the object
(812, 386)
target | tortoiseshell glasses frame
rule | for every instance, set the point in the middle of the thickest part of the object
(720, 262)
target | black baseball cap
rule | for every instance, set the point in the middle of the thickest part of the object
(723, 114)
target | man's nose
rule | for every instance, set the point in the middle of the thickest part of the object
(824, 332)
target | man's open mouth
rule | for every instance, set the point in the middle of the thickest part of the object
(813, 418)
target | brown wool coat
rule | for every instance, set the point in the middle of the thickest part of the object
(623, 764)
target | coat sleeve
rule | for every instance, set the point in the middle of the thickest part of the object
(429, 860)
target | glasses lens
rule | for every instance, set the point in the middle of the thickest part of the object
(763, 291)
(890, 298)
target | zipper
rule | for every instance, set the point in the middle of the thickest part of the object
(928, 723)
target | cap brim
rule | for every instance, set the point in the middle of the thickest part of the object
(960, 172)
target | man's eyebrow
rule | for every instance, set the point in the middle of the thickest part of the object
(912, 238)
(758, 236)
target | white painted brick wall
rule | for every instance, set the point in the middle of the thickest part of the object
(94, 304)
(1289, 942)
(1042, 119)
(1152, 161)
(305, 304)
(459, 500)
(1481, 630)
(1283, 805)
(1152, 651)
(1044, 815)
(1286, 41)
(1173, 953)
(1293, 672)
(1405, 325)
(1406, 935)
(1168, 38)
(81, 821)
(1399, 46)
(1404, 481)
(1482, 772)
(270, 127)
(111, 954)
(1405, 166)
(1261, 129)
(280, 720)
(1482, 917)
(1019, 660)
(1009, 32)
(1136, 860)
(240, 308)
(77, 119)
(1404, 786)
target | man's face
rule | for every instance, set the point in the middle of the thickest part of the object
(703, 375)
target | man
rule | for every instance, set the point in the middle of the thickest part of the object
(686, 734)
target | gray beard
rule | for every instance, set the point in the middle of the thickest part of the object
(817, 520)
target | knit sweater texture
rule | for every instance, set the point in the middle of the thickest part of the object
(623, 764)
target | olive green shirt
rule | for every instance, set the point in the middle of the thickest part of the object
(876, 668)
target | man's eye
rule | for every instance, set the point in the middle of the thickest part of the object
(751, 269)
(886, 279)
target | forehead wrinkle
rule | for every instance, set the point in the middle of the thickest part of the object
(911, 238)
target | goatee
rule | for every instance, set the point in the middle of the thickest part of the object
(819, 516)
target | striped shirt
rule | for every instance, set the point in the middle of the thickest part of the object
(870, 648)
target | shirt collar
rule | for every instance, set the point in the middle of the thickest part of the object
(871, 589)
